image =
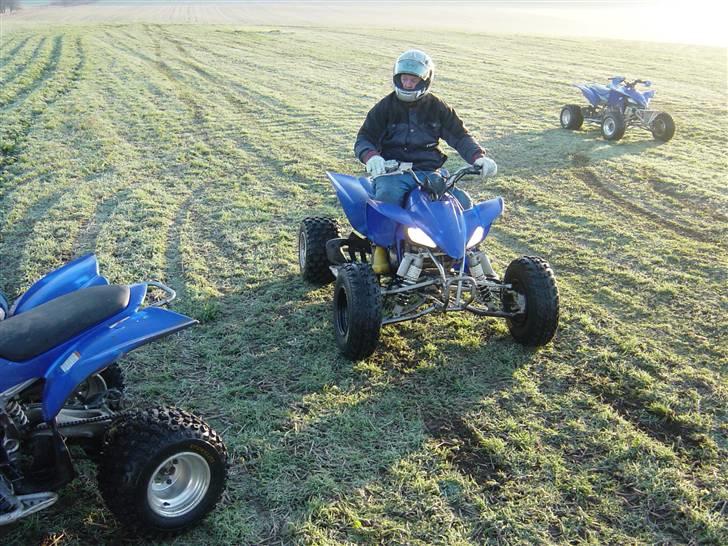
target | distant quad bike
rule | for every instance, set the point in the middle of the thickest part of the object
(160, 470)
(434, 259)
(617, 107)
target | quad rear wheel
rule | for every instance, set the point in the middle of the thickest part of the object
(313, 235)
(161, 470)
(357, 310)
(534, 285)
(571, 117)
(663, 127)
(613, 126)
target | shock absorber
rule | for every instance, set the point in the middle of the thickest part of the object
(409, 271)
(481, 269)
(16, 413)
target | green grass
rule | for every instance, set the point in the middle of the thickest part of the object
(189, 154)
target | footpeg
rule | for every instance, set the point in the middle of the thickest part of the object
(28, 504)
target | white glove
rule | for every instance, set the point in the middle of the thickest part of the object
(487, 166)
(375, 165)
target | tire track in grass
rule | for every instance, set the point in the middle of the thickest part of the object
(202, 67)
(632, 406)
(16, 133)
(269, 158)
(47, 72)
(8, 58)
(13, 242)
(592, 180)
(201, 132)
(19, 64)
(93, 184)
(88, 234)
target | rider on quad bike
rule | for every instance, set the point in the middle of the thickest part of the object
(406, 126)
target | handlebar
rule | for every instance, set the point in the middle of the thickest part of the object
(631, 84)
(394, 166)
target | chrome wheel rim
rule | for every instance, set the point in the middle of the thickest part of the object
(178, 485)
(565, 117)
(609, 126)
(660, 127)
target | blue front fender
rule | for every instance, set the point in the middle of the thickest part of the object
(102, 346)
(382, 219)
(80, 273)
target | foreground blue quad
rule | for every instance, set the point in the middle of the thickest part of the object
(617, 107)
(160, 470)
(433, 247)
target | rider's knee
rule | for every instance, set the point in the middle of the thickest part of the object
(389, 191)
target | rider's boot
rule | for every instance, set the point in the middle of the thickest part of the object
(381, 263)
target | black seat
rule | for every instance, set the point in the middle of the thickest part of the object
(38, 330)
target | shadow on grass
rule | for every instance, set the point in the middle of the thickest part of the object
(304, 426)
(535, 153)
(310, 427)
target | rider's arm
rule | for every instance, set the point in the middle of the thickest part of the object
(371, 133)
(457, 136)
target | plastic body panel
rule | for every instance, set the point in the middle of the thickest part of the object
(444, 220)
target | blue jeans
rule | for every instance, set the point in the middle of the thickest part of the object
(393, 188)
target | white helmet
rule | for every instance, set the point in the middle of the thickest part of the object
(418, 63)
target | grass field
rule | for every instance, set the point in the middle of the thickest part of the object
(190, 153)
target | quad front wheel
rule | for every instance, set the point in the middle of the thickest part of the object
(357, 310)
(571, 117)
(613, 126)
(161, 470)
(313, 235)
(535, 295)
(663, 127)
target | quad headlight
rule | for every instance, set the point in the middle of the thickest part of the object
(476, 237)
(419, 237)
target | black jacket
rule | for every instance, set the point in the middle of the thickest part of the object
(411, 132)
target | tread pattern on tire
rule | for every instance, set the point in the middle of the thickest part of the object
(364, 299)
(540, 326)
(318, 230)
(131, 442)
(669, 127)
(577, 118)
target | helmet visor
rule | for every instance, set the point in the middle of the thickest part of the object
(412, 66)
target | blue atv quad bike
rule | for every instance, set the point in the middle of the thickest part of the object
(160, 470)
(434, 259)
(617, 107)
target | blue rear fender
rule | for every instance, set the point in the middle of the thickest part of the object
(590, 94)
(104, 344)
(13, 373)
(66, 366)
(80, 273)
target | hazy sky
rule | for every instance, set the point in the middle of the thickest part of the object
(693, 21)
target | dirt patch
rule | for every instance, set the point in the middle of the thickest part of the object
(466, 452)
